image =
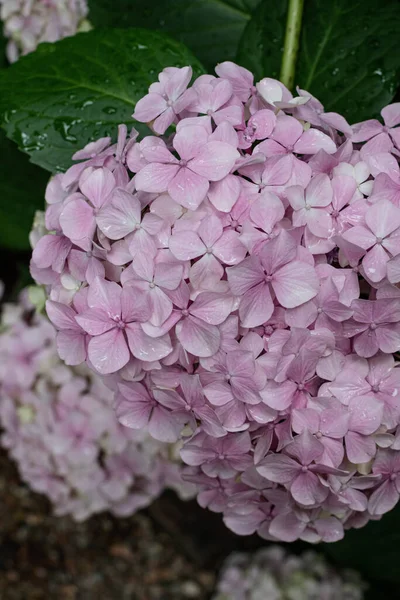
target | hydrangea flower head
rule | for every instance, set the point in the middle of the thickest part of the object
(233, 277)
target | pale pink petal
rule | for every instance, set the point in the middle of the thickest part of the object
(374, 263)
(359, 448)
(256, 306)
(119, 217)
(313, 140)
(218, 393)
(105, 295)
(189, 140)
(224, 194)
(77, 220)
(360, 236)
(391, 114)
(155, 177)
(278, 468)
(163, 426)
(71, 347)
(147, 348)
(186, 245)
(266, 211)
(188, 188)
(98, 186)
(295, 283)
(108, 352)
(383, 218)
(319, 222)
(278, 395)
(212, 308)
(149, 107)
(206, 272)
(214, 160)
(388, 338)
(287, 131)
(229, 249)
(366, 344)
(197, 337)
(61, 315)
(383, 499)
(307, 489)
(95, 321)
(286, 527)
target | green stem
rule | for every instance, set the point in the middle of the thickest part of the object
(292, 38)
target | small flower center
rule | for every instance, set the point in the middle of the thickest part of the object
(319, 310)
(373, 326)
(375, 388)
(379, 240)
(152, 284)
(185, 312)
(318, 435)
(304, 468)
(183, 162)
(300, 386)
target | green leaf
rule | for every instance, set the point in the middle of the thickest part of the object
(372, 550)
(57, 99)
(349, 54)
(261, 45)
(22, 187)
(210, 28)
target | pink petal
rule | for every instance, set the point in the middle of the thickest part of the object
(359, 448)
(77, 220)
(178, 82)
(245, 276)
(188, 188)
(374, 263)
(360, 236)
(98, 186)
(365, 344)
(218, 393)
(163, 426)
(256, 306)
(206, 272)
(108, 352)
(119, 217)
(391, 114)
(319, 192)
(197, 337)
(319, 222)
(286, 527)
(144, 347)
(383, 218)
(295, 284)
(287, 131)
(189, 140)
(155, 177)
(278, 395)
(95, 321)
(149, 107)
(278, 468)
(313, 140)
(105, 295)
(212, 308)
(61, 315)
(229, 249)
(383, 499)
(214, 160)
(224, 194)
(388, 338)
(266, 211)
(71, 347)
(307, 489)
(186, 245)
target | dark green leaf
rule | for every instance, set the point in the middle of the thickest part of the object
(372, 550)
(62, 96)
(261, 45)
(22, 187)
(211, 28)
(349, 54)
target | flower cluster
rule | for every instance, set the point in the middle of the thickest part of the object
(27, 23)
(234, 278)
(60, 428)
(273, 574)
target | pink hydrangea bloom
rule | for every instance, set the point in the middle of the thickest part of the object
(59, 426)
(236, 279)
(27, 23)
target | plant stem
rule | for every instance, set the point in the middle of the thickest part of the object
(292, 38)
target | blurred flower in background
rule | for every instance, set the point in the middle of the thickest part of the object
(273, 574)
(27, 23)
(60, 428)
